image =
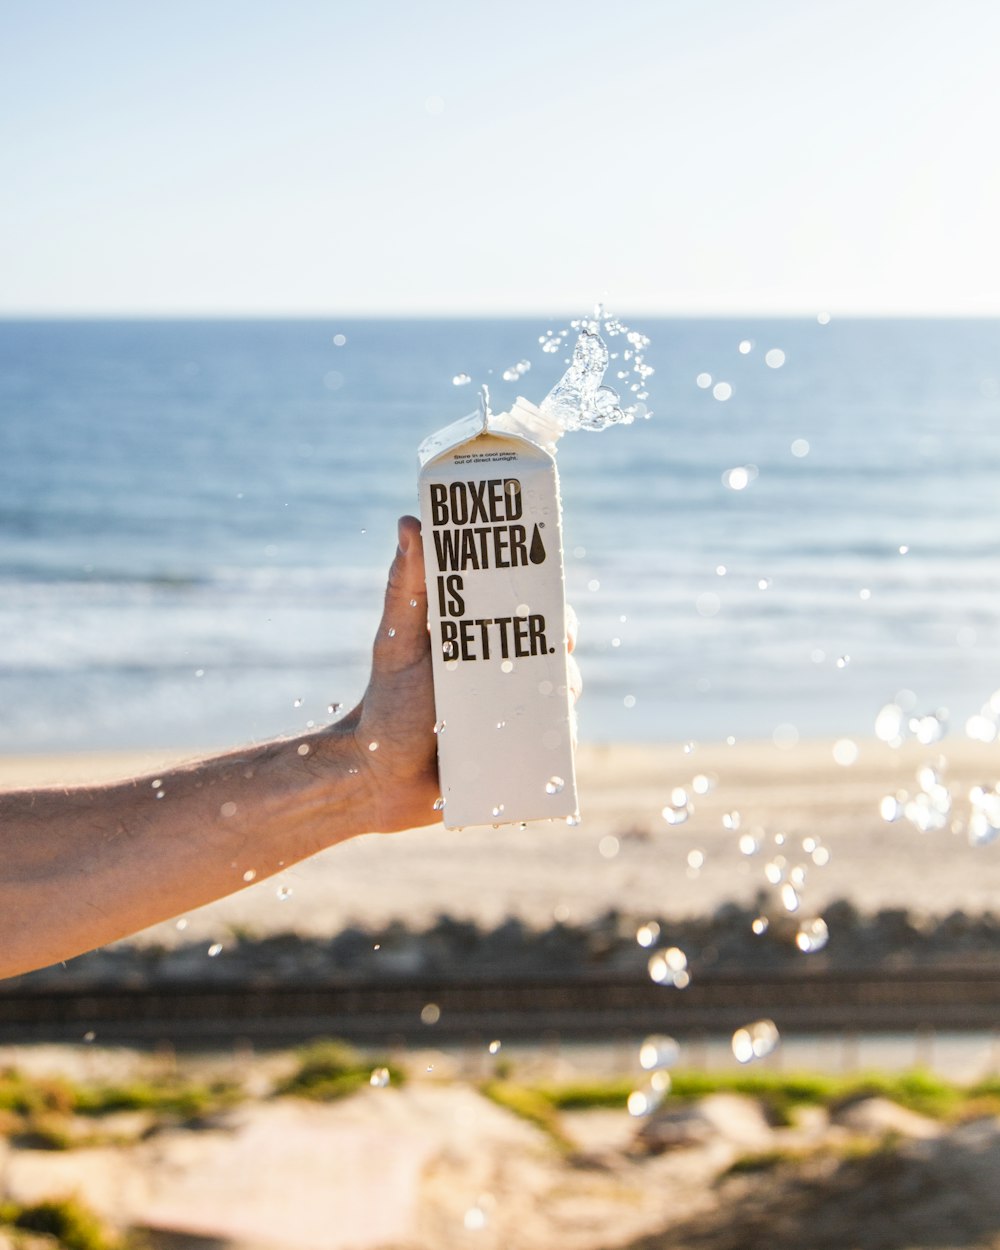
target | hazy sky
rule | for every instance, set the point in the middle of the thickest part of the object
(380, 156)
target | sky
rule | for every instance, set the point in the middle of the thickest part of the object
(380, 157)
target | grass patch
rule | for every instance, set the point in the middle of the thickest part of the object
(782, 1093)
(534, 1105)
(71, 1225)
(329, 1070)
(37, 1112)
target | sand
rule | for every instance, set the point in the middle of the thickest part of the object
(624, 855)
(435, 1165)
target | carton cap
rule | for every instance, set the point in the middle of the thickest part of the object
(523, 420)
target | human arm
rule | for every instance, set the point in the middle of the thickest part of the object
(89, 865)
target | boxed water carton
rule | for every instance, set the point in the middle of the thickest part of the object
(492, 528)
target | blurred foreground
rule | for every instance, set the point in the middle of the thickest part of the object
(327, 1149)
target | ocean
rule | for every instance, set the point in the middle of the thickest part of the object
(196, 518)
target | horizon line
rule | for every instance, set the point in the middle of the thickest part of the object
(797, 314)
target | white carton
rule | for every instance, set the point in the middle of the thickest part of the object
(492, 528)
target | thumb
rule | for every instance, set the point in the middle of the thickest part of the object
(402, 633)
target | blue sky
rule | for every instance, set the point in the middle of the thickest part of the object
(387, 157)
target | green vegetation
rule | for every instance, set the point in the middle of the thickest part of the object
(38, 1112)
(779, 1093)
(72, 1225)
(329, 1069)
(534, 1105)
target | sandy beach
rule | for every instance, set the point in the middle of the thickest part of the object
(624, 854)
(435, 1164)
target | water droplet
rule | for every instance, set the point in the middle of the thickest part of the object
(669, 967)
(474, 1220)
(658, 1051)
(746, 347)
(812, 935)
(731, 820)
(461, 379)
(379, 1078)
(755, 1041)
(182, 923)
(609, 846)
(800, 447)
(774, 358)
(228, 809)
(823, 318)
(748, 844)
(789, 897)
(703, 380)
(214, 949)
(333, 708)
(430, 1013)
(929, 728)
(889, 724)
(845, 752)
(555, 785)
(296, 703)
(696, 860)
(507, 666)
(616, 642)
(843, 661)
(641, 1102)
(391, 631)
(722, 391)
(647, 933)
(303, 748)
(250, 874)
(759, 925)
(157, 784)
(737, 479)
(497, 810)
(676, 815)
(284, 892)
(629, 701)
(572, 821)
(439, 805)
(339, 340)
(494, 1046)
(372, 746)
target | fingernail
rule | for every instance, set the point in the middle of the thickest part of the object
(404, 539)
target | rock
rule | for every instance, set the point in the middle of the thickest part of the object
(729, 1118)
(879, 1117)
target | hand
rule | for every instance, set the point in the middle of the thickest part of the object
(393, 725)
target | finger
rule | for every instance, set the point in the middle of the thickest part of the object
(574, 678)
(572, 628)
(402, 632)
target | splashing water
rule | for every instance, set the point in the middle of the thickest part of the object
(580, 400)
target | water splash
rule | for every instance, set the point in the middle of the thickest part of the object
(580, 400)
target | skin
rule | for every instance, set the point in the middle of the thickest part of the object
(92, 864)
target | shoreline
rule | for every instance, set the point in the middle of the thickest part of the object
(624, 855)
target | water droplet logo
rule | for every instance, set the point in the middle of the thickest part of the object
(536, 552)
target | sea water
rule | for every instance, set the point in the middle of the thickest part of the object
(196, 519)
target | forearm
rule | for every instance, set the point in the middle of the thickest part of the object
(87, 866)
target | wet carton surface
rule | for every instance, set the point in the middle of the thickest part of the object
(490, 512)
